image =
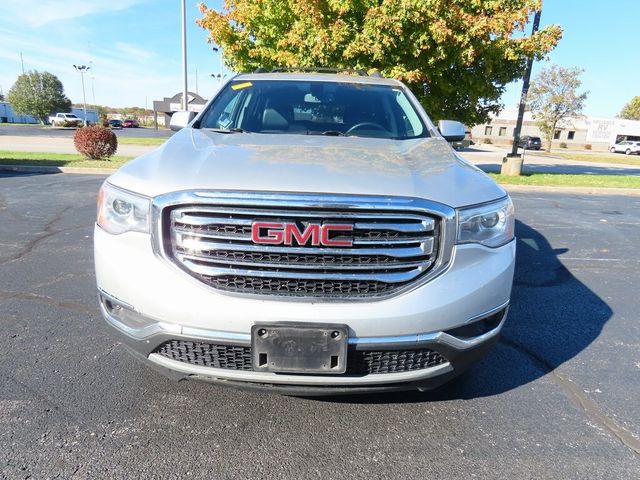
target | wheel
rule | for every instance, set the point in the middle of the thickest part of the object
(627, 152)
(612, 150)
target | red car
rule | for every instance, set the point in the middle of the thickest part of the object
(130, 123)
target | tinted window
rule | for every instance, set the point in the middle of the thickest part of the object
(312, 107)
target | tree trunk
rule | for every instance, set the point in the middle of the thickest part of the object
(551, 135)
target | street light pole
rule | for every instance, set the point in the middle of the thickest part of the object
(184, 55)
(82, 69)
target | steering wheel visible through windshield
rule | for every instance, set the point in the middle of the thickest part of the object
(314, 108)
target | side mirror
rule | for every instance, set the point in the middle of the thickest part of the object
(451, 130)
(180, 120)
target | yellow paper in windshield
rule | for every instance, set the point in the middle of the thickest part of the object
(239, 86)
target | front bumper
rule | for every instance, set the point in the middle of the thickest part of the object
(461, 347)
(149, 302)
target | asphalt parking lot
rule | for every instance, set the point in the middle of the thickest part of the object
(557, 398)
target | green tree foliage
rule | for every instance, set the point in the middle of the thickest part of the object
(456, 55)
(553, 97)
(38, 94)
(631, 110)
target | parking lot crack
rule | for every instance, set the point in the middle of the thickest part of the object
(47, 232)
(577, 394)
(39, 298)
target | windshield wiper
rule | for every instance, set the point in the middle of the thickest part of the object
(330, 133)
(228, 130)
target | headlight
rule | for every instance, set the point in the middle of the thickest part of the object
(491, 225)
(120, 211)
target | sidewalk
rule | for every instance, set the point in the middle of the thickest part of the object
(489, 159)
(60, 145)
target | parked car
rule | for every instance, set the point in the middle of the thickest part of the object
(130, 123)
(468, 140)
(627, 147)
(307, 233)
(65, 120)
(530, 143)
(115, 124)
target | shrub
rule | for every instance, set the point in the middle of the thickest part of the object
(563, 145)
(96, 143)
(588, 146)
(487, 141)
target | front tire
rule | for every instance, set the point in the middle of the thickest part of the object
(612, 150)
(627, 152)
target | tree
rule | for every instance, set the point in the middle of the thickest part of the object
(553, 97)
(631, 110)
(456, 55)
(38, 94)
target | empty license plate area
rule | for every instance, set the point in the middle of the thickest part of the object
(299, 348)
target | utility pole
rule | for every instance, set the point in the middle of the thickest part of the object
(82, 69)
(517, 169)
(22, 62)
(184, 56)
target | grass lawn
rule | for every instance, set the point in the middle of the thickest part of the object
(59, 160)
(600, 157)
(141, 140)
(565, 180)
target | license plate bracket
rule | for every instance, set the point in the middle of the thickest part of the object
(299, 348)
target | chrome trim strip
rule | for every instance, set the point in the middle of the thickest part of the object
(440, 337)
(280, 378)
(183, 216)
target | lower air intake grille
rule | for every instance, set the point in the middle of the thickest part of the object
(392, 361)
(232, 357)
(237, 357)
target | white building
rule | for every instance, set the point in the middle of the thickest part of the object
(7, 115)
(600, 133)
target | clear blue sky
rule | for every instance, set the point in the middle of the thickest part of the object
(134, 48)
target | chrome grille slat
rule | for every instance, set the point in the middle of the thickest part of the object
(343, 267)
(203, 244)
(427, 241)
(394, 242)
(303, 212)
(394, 277)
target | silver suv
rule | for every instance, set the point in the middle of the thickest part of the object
(308, 233)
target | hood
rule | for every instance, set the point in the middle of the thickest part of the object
(196, 159)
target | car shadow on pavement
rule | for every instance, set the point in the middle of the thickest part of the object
(552, 318)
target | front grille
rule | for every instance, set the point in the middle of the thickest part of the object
(395, 242)
(238, 357)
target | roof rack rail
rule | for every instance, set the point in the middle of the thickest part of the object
(360, 72)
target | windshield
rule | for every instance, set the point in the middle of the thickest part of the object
(314, 108)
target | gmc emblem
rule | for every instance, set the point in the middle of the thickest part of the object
(285, 233)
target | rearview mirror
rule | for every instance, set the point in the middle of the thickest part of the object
(180, 119)
(451, 130)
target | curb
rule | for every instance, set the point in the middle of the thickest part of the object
(48, 169)
(577, 190)
(507, 187)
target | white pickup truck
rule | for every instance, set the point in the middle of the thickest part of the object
(65, 120)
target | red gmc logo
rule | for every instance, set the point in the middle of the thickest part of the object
(285, 233)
